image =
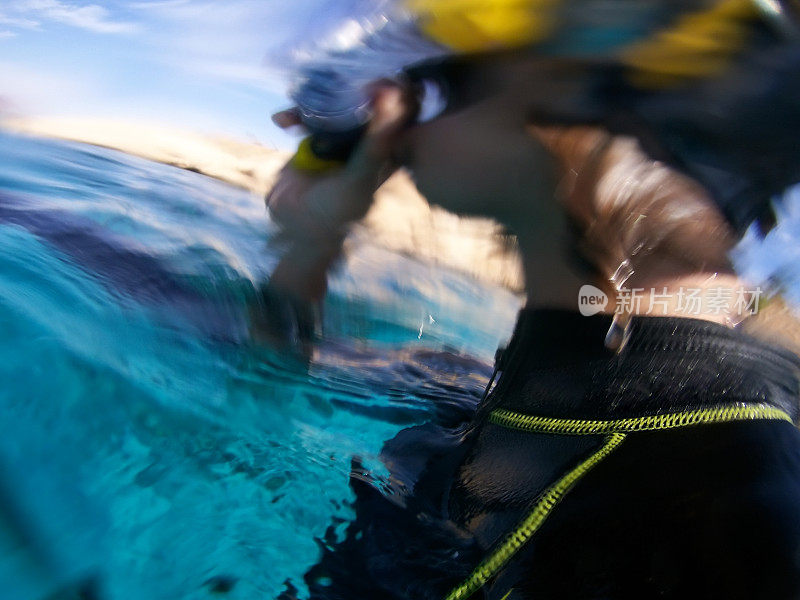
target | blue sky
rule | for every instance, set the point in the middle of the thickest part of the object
(205, 65)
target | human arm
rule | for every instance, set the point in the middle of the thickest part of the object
(314, 211)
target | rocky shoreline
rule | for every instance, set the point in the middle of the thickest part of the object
(400, 220)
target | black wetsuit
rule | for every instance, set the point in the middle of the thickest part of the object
(687, 485)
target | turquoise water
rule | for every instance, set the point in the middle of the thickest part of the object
(147, 445)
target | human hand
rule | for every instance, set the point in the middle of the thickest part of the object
(314, 210)
(317, 204)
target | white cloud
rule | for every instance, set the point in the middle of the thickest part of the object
(37, 91)
(90, 17)
(19, 22)
(4, 35)
(226, 41)
(159, 4)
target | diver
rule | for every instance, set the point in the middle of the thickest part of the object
(645, 451)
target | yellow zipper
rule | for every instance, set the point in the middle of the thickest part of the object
(552, 496)
(616, 431)
(538, 424)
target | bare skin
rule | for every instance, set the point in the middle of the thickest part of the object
(484, 160)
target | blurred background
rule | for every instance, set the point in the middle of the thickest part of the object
(193, 65)
(149, 450)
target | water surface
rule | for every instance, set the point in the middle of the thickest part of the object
(147, 443)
